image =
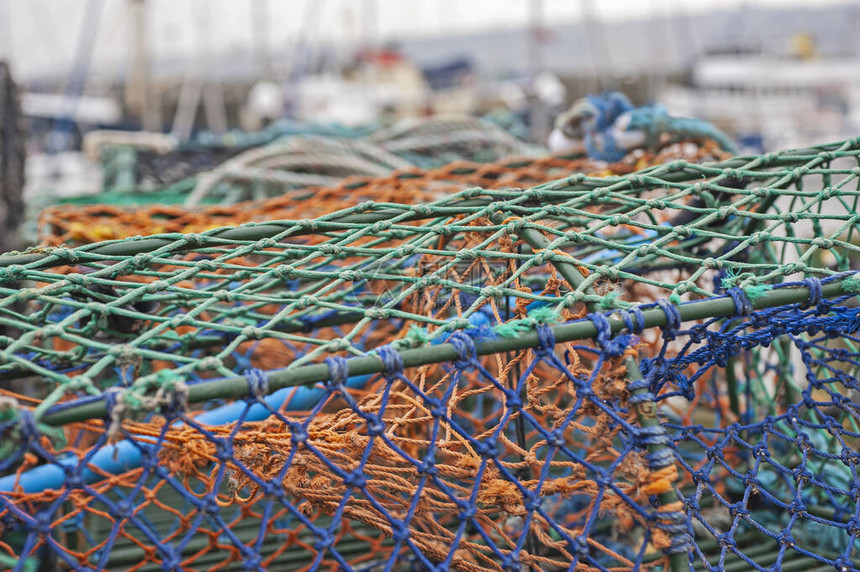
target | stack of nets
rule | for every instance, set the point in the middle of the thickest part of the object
(654, 371)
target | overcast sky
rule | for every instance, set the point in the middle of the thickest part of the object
(42, 35)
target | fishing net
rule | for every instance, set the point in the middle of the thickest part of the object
(649, 371)
(65, 224)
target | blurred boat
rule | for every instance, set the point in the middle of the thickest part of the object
(778, 102)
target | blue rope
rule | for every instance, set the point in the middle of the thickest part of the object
(634, 320)
(391, 359)
(612, 111)
(611, 346)
(673, 319)
(743, 305)
(814, 285)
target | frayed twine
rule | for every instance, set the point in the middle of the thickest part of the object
(171, 398)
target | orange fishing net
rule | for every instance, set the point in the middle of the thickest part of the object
(67, 224)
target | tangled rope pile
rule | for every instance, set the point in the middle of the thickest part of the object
(65, 224)
(290, 154)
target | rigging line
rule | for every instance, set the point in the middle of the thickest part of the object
(7, 45)
(77, 80)
(681, 26)
(605, 72)
(46, 31)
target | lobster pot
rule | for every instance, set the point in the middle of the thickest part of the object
(652, 371)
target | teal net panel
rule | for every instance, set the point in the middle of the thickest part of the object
(655, 371)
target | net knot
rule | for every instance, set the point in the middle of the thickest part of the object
(298, 433)
(392, 361)
(141, 260)
(338, 345)
(381, 226)
(673, 319)
(67, 255)
(611, 346)
(511, 562)
(115, 408)
(823, 243)
(743, 305)
(492, 291)
(465, 347)
(338, 370)
(546, 339)
(258, 383)
(355, 479)
(640, 391)
(541, 258)
(399, 530)
(849, 457)
(814, 285)
(580, 546)
(513, 224)
(28, 430)
(171, 398)
(12, 273)
(193, 239)
(628, 316)
(252, 332)
(698, 333)
(422, 209)
(323, 539)
(405, 250)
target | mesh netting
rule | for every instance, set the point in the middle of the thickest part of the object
(650, 371)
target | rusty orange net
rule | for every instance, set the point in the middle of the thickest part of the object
(67, 224)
